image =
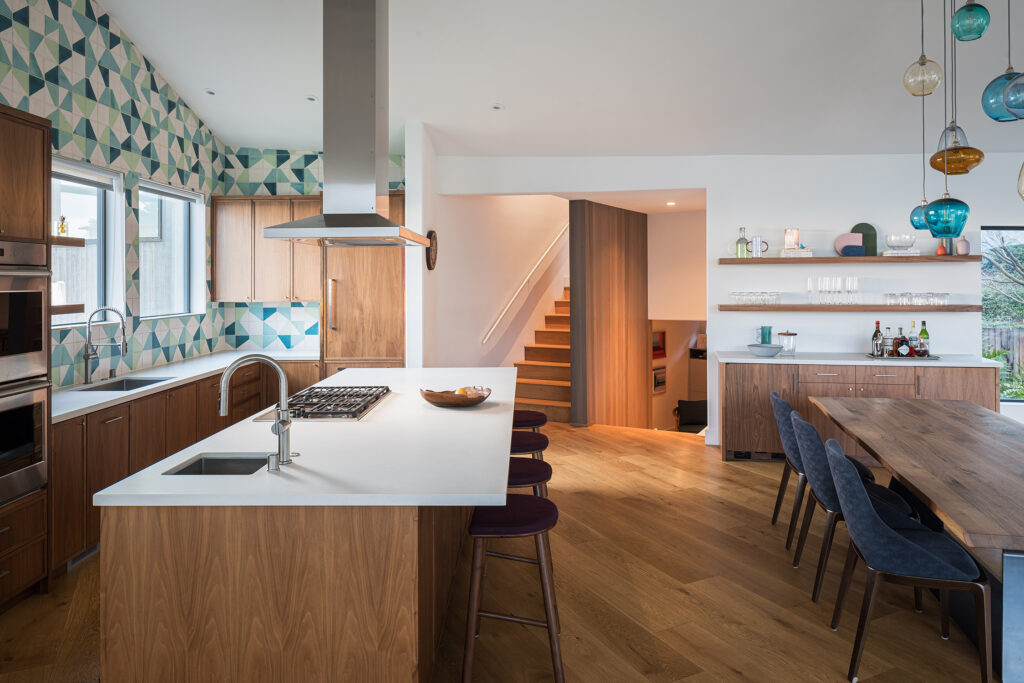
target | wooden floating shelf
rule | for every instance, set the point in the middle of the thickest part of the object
(810, 260)
(61, 241)
(67, 308)
(852, 308)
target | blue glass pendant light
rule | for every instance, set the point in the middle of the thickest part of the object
(946, 217)
(917, 219)
(993, 97)
(970, 21)
(1013, 97)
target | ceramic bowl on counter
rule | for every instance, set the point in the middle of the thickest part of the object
(765, 350)
(458, 398)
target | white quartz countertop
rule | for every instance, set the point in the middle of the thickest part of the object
(813, 358)
(403, 452)
(73, 402)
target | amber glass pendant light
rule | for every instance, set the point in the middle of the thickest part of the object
(954, 156)
(923, 76)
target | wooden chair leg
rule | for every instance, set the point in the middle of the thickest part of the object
(801, 485)
(870, 591)
(983, 610)
(808, 515)
(473, 617)
(918, 599)
(844, 584)
(782, 492)
(831, 520)
(944, 609)
(548, 589)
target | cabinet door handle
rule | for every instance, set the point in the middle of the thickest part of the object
(6, 571)
(919, 386)
(5, 529)
(885, 375)
(827, 374)
(331, 283)
(113, 419)
(794, 384)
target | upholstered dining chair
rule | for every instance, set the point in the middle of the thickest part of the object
(783, 410)
(911, 555)
(823, 494)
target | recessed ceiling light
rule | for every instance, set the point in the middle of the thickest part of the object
(670, 203)
(497, 106)
(210, 91)
(312, 98)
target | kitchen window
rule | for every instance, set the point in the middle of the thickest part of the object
(167, 255)
(1002, 299)
(83, 207)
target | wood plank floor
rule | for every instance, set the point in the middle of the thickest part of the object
(666, 569)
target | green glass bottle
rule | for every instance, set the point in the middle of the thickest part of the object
(741, 245)
(923, 340)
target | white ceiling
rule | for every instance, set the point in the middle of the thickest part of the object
(588, 77)
(648, 201)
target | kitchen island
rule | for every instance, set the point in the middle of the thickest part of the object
(336, 568)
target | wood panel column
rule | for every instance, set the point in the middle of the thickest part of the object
(609, 330)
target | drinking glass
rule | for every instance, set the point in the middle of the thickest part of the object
(812, 291)
(890, 298)
(851, 289)
(943, 298)
(904, 298)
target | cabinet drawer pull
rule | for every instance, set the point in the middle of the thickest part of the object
(885, 375)
(6, 571)
(5, 529)
(827, 374)
(331, 283)
(113, 419)
(919, 385)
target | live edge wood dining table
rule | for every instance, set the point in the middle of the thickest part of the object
(966, 464)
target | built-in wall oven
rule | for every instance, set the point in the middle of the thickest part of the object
(24, 367)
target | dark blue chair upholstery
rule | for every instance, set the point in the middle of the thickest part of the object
(782, 411)
(912, 550)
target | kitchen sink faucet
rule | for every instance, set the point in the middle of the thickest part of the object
(282, 420)
(90, 348)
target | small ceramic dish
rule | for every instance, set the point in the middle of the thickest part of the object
(765, 350)
(453, 399)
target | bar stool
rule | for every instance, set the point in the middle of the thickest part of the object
(527, 472)
(528, 419)
(522, 515)
(528, 443)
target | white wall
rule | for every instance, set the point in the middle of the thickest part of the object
(676, 266)
(486, 247)
(420, 216)
(821, 195)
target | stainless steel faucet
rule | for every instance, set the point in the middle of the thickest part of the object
(282, 420)
(90, 348)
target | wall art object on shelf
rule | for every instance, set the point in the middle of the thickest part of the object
(658, 344)
(850, 244)
(870, 238)
(659, 381)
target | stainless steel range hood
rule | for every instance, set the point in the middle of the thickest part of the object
(355, 133)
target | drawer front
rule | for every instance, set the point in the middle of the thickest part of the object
(873, 374)
(245, 394)
(245, 409)
(831, 374)
(21, 569)
(246, 375)
(22, 520)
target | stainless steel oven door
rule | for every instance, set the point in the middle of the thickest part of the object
(24, 302)
(23, 416)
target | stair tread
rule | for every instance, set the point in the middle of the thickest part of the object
(547, 346)
(546, 382)
(563, 315)
(547, 363)
(543, 402)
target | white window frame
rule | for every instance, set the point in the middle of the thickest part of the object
(197, 245)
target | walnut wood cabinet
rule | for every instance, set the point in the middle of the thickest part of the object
(300, 373)
(748, 424)
(249, 267)
(22, 544)
(162, 424)
(107, 459)
(24, 176)
(67, 489)
(208, 418)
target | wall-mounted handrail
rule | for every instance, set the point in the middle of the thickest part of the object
(542, 261)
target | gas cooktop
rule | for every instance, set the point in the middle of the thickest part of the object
(331, 403)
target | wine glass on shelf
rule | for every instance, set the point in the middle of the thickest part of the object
(851, 289)
(812, 290)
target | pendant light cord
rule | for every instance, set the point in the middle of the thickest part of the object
(945, 89)
(1009, 53)
(922, 26)
(924, 194)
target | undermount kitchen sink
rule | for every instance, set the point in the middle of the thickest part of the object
(127, 384)
(222, 463)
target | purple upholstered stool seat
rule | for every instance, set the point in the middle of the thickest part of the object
(522, 515)
(523, 472)
(528, 419)
(527, 442)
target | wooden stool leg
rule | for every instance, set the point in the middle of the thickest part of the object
(808, 515)
(544, 490)
(944, 608)
(801, 484)
(473, 617)
(844, 584)
(870, 591)
(782, 492)
(918, 599)
(548, 589)
(551, 571)
(831, 520)
(983, 611)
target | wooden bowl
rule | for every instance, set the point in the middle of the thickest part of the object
(449, 399)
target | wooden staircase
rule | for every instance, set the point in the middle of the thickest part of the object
(543, 380)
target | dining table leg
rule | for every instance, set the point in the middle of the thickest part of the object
(1013, 615)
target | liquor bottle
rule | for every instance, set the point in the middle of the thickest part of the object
(900, 345)
(912, 339)
(923, 341)
(887, 348)
(876, 340)
(741, 245)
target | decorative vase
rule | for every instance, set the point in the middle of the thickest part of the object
(963, 247)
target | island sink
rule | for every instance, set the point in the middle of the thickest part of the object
(222, 463)
(127, 384)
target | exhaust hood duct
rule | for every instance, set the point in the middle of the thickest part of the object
(355, 133)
